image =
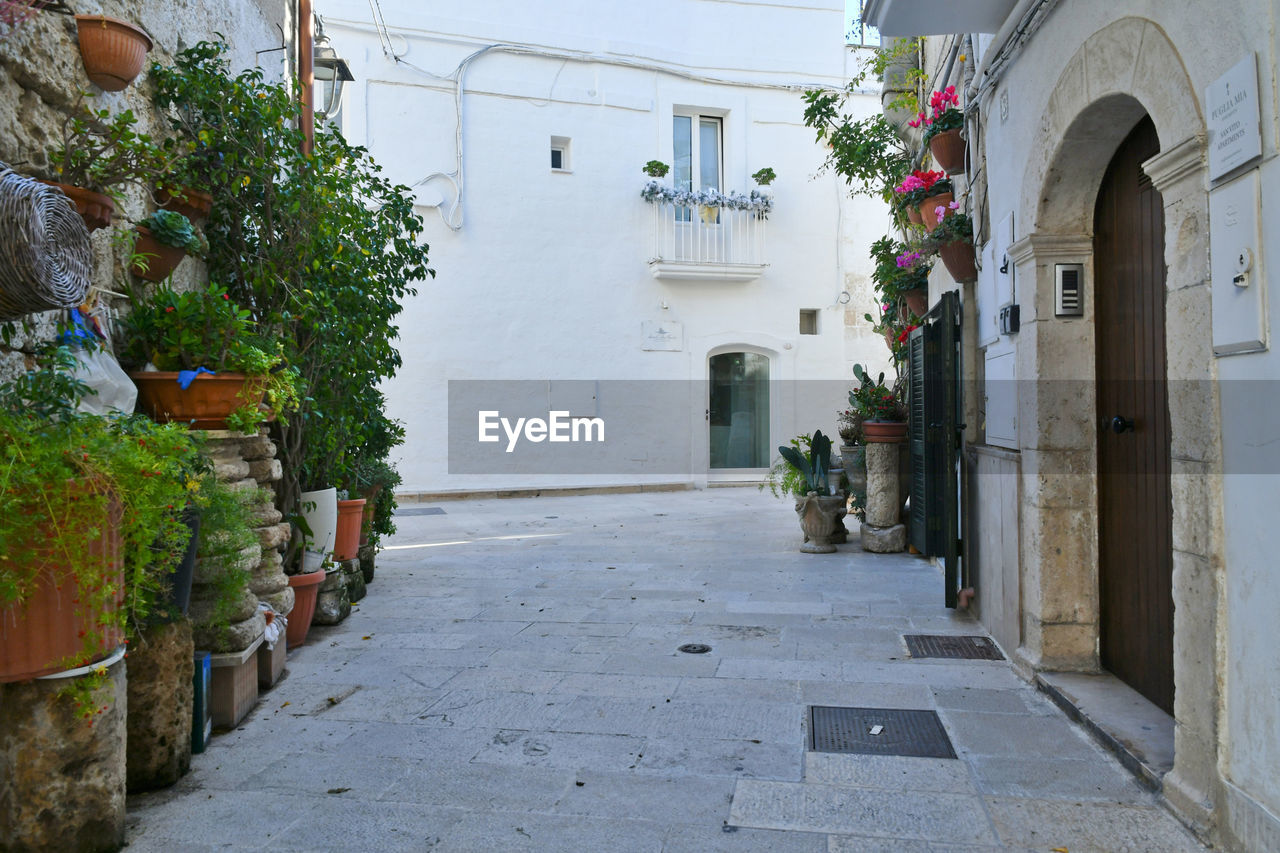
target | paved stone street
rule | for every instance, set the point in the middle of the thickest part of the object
(511, 682)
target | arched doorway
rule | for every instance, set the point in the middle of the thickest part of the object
(738, 410)
(1135, 550)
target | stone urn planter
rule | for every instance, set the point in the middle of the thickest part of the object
(819, 517)
(113, 50)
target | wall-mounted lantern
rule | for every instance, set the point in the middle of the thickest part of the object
(330, 73)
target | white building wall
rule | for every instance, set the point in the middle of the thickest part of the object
(547, 276)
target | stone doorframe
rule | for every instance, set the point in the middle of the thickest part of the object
(1132, 69)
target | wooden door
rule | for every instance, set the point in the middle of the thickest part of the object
(1135, 559)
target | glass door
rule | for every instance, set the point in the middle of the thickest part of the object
(738, 410)
(697, 162)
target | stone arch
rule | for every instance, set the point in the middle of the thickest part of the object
(1122, 72)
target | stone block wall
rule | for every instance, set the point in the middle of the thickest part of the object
(245, 462)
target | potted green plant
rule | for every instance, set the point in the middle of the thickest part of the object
(942, 130)
(164, 237)
(952, 239)
(764, 176)
(884, 418)
(918, 186)
(212, 370)
(655, 169)
(90, 524)
(818, 509)
(99, 153)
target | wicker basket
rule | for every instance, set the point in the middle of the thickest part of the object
(45, 260)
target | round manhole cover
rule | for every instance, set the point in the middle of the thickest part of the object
(694, 648)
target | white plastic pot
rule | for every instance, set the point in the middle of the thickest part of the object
(319, 509)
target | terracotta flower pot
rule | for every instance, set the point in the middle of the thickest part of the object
(44, 633)
(95, 208)
(917, 301)
(347, 542)
(193, 204)
(161, 260)
(113, 50)
(929, 208)
(305, 590)
(948, 151)
(958, 258)
(884, 432)
(205, 404)
(913, 215)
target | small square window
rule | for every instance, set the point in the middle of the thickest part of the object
(559, 153)
(808, 321)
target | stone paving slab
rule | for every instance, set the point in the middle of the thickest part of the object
(444, 714)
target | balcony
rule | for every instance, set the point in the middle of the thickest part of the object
(703, 243)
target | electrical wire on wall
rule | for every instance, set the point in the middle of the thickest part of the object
(453, 216)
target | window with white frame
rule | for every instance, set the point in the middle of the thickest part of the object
(698, 154)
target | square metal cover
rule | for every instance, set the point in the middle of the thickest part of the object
(900, 732)
(420, 510)
(950, 646)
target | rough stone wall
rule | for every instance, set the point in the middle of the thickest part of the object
(248, 463)
(160, 698)
(62, 779)
(42, 76)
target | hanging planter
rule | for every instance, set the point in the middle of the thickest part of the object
(929, 208)
(948, 150)
(204, 404)
(113, 50)
(917, 300)
(96, 209)
(193, 204)
(959, 260)
(158, 260)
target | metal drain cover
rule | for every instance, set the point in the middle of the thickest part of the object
(420, 510)
(898, 732)
(694, 648)
(950, 646)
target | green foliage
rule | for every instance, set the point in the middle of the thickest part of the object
(891, 278)
(100, 152)
(226, 529)
(655, 169)
(764, 176)
(320, 249)
(64, 476)
(957, 227)
(174, 229)
(873, 400)
(866, 152)
(813, 466)
(783, 478)
(204, 328)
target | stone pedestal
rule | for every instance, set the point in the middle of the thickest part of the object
(882, 531)
(160, 697)
(270, 663)
(355, 579)
(62, 778)
(333, 603)
(367, 554)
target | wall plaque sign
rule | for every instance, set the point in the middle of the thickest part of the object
(1235, 136)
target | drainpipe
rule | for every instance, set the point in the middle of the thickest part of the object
(306, 73)
(1012, 24)
(895, 85)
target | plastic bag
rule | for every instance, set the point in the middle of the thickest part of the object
(97, 368)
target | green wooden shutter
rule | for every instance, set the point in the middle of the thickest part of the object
(935, 438)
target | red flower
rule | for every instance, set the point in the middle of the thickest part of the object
(168, 310)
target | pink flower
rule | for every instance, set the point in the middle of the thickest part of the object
(955, 205)
(940, 211)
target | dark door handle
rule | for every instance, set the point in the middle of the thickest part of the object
(1121, 424)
